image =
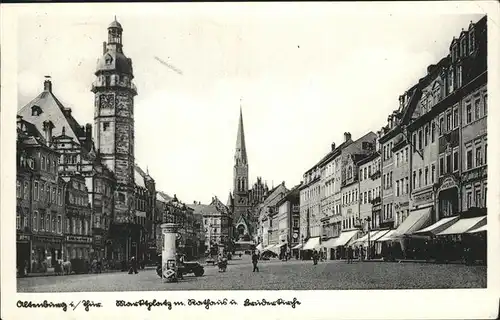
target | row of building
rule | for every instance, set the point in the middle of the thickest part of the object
(428, 162)
(80, 193)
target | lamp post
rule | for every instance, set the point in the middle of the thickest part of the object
(368, 220)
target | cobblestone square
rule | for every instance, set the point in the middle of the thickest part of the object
(277, 275)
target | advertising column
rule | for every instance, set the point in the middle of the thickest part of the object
(169, 263)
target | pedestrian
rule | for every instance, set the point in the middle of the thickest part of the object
(255, 259)
(133, 266)
(349, 255)
(315, 257)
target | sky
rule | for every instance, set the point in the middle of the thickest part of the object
(303, 80)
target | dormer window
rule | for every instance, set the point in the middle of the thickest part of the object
(463, 44)
(472, 41)
(36, 111)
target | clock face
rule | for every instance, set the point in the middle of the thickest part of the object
(106, 100)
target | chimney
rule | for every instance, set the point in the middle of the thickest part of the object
(347, 136)
(333, 146)
(67, 112)
(47, 85)
(47, 129)
(104, 49)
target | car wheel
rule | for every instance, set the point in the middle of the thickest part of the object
(199, 272)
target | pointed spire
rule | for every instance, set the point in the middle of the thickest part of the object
(241, 151)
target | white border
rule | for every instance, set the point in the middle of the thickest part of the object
(372, 304)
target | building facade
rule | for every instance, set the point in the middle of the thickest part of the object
(114, 135)
(369, 189)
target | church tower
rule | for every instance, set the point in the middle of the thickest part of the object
(114, 119)
(240, 174)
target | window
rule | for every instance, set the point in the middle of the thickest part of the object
(469, 159)
(471, 40)
(455, 117)
(18, 222)
(448, 121)
(479, 159)
(369, 195)
(455, 160)
(397, 159)
(59, 224)
(35, 221)
(464, 47)
(485, 153)
(420, 139)
(397, 188)
(433, 173)
(366, 197)
(441, 125)
(451, 80)
(441, 166)
(485, 104)
(35, 191)
(433, 131)
(42, 222)
(468, 108)
(426, 135)
(390, 179)
(419, 178)
(414, 142)
(105, 126)
(448, 163)
(485, 196)
(414, 179)
(477, 197)
(18, 189)
(426, 175)
(459, 76)
(25, 192)
(48, 227)
(43, 163)
(407, 186)
(477, 109)
(406, 154)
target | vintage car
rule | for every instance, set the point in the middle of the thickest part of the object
(186, 268)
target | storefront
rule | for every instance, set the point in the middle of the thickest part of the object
(412, 247)
(23, 244)
(98, 244)
(45, 250)
(78, 247)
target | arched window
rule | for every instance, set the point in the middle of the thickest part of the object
(349, 172)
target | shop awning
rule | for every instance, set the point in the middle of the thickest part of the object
(464, 225)
(480, 229)
(345, 237)
(259, 247)
(387, 236)
(438, 226)
(364, 239)
(269, 247)
(330, 243)
(312, 243)
(297, 246)
(416, 220)
(381, 234)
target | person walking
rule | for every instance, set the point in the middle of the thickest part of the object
(255, 260)
(133, 266)
(349, 255)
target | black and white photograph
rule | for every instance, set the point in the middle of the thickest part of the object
(192, 148)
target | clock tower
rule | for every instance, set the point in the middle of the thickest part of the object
(114, 120)
(240, 174)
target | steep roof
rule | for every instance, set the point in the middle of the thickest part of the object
(139, 178)
(241, 149)
(163, 197)
(55, 111)
(204, 209)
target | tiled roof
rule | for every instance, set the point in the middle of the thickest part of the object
(163, 197)
(204, 209)
(52, 109)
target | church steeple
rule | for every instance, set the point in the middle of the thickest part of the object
(241, 150)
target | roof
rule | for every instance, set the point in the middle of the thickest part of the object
(204, 209)
(139, 179)
(163, 197)
(52, 110)
(241, 149)
(115, 24)
(368, 158)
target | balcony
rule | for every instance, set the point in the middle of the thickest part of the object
(98, 84)
(375, 175)
(376, 200)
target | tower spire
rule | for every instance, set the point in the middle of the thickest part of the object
(241, 150)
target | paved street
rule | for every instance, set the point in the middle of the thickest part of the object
(276, 275)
